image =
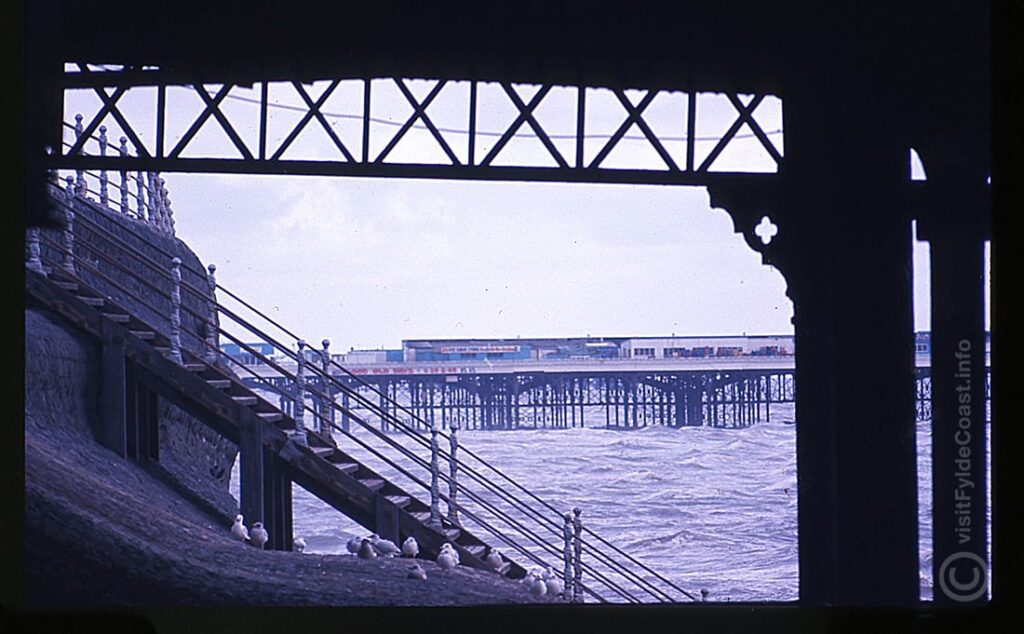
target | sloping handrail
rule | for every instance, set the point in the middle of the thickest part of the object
(622, 570)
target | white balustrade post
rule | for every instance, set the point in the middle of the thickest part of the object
(104, 193)
(435, 476)
(328, 413)
(175, 353)
(151, 197)
(577, 579)
(300, 396)
(80, 186)
(212, 338)
(32, 259)
(32, 253)
(168, 214)
(68, 261)
(567, 557)
(158, 189)
(140, 187)
(122, 151)
(453, 468)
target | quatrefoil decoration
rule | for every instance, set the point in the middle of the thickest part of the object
(766, 230)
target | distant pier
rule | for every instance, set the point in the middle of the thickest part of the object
(623, 393)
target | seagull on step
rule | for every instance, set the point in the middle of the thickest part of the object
(299, 545)
(366, 550)
(409, 547)
(445, 560)
(537, 587)
(258, 535)
(447, 547)
(353, 545)
(494, 559)
(384, 547)
(554, 586)
(238, 530)
(417, 572)
(549, 573)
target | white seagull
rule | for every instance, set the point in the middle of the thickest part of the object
(384, 547)
(417, 572)
(409, 547)
(298, 544)
(353, 545)
(445, 560)
(447, 547)
(494, 559)
(366, 550)
(258, 535)
(537, 587)
(238, 530)
(554, 586)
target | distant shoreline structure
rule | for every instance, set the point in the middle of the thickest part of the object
(564, 348)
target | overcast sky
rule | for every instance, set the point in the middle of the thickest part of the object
(369, 262)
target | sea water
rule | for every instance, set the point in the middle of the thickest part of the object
(708, 508)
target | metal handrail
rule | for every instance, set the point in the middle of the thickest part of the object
(426, 465)
(84, 262)
(399, 424)
(607, 560)
(385, 415)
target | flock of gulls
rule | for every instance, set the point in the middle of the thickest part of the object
(539, 583)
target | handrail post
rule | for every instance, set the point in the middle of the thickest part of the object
(151, 198)
(168, 214)
(32, 259)
(140, 186)
(300, 396)
(122, 150)
(212, 347)
(68, 260)
(435, 475)
(453, 469)
(577, 580)
(175, 353)
(80, 186)
(104, 193)
(158, 185)
(567, 557)
(328, 413)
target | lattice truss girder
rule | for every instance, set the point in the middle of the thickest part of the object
(578, 130)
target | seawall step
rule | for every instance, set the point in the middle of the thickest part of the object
(401, 501)
(220, 384)
(323, 452)
(147, 335)
(423, 516)
(346, 467)
(477, 549)
(270, 417)
(374, 484)
(194, 367)
(91, 301)
(244, 400)
(121, 319)
(452, 533)
(68, 286)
